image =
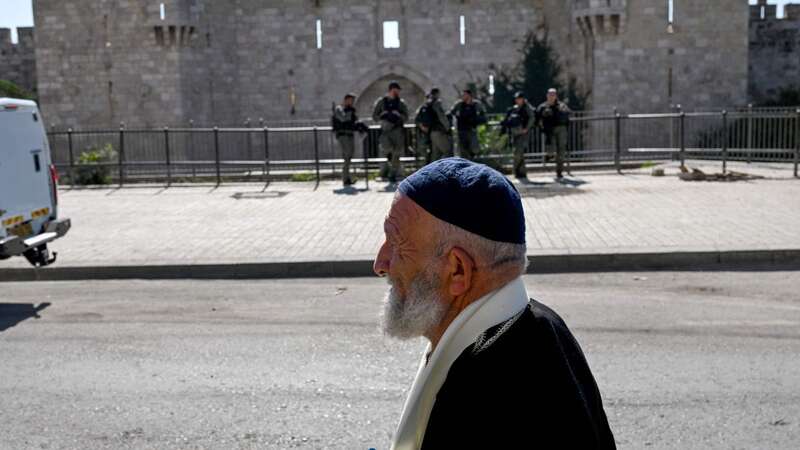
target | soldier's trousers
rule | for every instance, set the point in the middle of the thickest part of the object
(521, 144)
(440, 145)
(557, 143)
(392, 144)
(468, 144)
(348, 146)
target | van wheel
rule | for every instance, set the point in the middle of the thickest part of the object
(40, 256)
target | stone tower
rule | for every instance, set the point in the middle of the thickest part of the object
(774, 51)
(105, 62)
(18, 61)
(646, 55)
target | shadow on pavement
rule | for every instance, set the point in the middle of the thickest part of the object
(258, 195)
(554, 188)
(349, 190)
(14, 313)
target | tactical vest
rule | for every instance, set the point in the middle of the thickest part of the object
(468, 117)
(391, 104)
(518, 117)
(348, 125)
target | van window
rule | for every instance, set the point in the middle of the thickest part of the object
(36, 163)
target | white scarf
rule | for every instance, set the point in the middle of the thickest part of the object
(484, 313)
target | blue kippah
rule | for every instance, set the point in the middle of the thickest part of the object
(471, 196)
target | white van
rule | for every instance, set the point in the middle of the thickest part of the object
(28, 185)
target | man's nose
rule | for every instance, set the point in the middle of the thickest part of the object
(381, 264)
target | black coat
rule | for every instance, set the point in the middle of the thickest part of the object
(529, 388)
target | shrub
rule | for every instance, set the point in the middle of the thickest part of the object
(92, 168)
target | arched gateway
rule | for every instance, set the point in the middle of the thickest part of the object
(375, 83)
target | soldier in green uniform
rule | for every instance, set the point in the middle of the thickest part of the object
(422, 119)
(434, 127)
(519, 121)
(469, 113)
(345, 124)
(553, 118)
(391, 112)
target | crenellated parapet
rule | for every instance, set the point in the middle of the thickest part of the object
(18, 60)
(175, 23)
(600, 17)
(774, 51)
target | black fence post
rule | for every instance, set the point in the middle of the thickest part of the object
(749, 132)
(617, 140)
(121, 154)
(71, 158)
(249, 140)
(316, 153)
(682, 137)
(166, 154)
(724, 141)
(192, 149)
(266, 154)
(796, 142)
(365, 144)
(216, 155)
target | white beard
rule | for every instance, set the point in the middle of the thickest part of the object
(416, 314)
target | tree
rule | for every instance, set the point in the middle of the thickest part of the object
(537, 70)
(9, 89)
(787, 96)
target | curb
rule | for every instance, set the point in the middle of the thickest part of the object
(568, 263)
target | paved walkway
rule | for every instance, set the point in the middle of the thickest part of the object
(293, 222)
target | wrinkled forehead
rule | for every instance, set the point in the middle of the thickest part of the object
(406, 215)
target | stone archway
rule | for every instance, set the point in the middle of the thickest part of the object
(375, 83)
(411, 93)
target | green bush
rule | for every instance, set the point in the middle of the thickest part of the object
(9, 89)
(493, 143)
(303, 176)
(90, 170)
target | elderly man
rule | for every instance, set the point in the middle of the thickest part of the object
(501, 371)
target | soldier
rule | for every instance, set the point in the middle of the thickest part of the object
(519, 120)
(422, 119)
(434, 127)
(345, 124)
(553, 118)
(469, 113)
(391, 111)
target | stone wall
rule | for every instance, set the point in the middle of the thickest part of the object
(223, 62)
(641, 63)
(774, 51)
(103, 62)
(18, 61)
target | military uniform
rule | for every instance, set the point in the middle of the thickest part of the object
(392, 114)
(468, 116)
(345, 121)
(518, 121)
(436, 138)
(554, 119)
(423, 136)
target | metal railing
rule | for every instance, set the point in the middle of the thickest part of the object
(310, 152)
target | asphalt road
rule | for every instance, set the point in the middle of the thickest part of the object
(684, 360)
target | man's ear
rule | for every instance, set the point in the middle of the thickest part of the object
(461, 268)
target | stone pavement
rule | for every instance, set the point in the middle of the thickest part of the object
(598, 213)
